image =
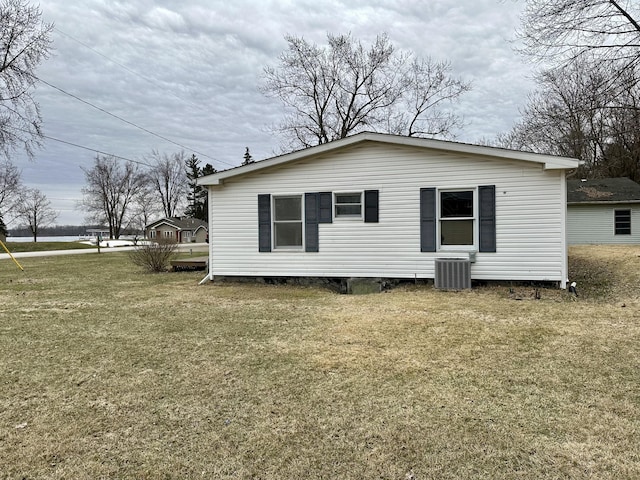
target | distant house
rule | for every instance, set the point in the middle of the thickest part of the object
(603, 211)
(385, 206)
(178, 229)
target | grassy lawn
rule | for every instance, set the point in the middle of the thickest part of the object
(16, 247)
(107, 372)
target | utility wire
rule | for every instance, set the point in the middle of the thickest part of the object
(128, 122)
(96, 151)
(85, 148)
(133, 72)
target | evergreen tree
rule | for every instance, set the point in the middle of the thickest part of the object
(206, 170)
(197, 196)
(192, 165)
(3, 228)
(247, 157)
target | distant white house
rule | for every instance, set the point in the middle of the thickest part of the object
(603, 211)
(385, 206)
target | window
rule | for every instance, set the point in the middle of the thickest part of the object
(287, 222)
(456, 218)
(348, 205)
(152, 234)
(622, 222)
(168, 234)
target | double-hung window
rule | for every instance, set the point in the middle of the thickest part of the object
(452, 219)
(457, 217)
(348, 205)
(287, 221)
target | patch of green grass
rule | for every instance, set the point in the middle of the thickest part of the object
(16, 247)
(108, 372)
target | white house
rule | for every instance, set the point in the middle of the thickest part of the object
(384, 206)
(603, 211)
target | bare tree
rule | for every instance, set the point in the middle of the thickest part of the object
(110, 190)
(568, 29)
(169, 180)
(576, 112)
(144, 208)
(334, 91)
(34, 209)
(588, 97)
(10, 185)
(429, 90)
(24, 42)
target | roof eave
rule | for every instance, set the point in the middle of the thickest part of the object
(548, 162)
(601, 202)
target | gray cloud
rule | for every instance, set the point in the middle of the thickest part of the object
(189, 70)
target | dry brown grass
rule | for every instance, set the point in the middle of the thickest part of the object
(112, 373)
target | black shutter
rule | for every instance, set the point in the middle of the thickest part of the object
(371, 206)
(325, 214)
(487, 214)
(427, 219)
(264, 223)
(311, 213)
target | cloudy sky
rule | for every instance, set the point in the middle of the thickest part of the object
(189, 71)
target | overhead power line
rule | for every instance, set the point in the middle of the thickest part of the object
(130, 123)
(120, 157)
(96, 151)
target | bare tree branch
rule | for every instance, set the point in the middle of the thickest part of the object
(35, 211)
(24, 43)
(110, 190)
(169, 180)
(334, 91)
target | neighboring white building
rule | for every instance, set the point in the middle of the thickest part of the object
(385, 206)
(603, 211)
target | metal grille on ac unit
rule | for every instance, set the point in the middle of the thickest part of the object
(452, 274)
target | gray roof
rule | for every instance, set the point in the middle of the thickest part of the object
(181, 223)
(603, 190)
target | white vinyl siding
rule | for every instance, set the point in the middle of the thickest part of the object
(593, 224)
(530, 208)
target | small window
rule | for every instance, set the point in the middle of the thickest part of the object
(622, 222)
(456, 218)
(348, 204)
(287, 222)
(168, 234)
(152, 234)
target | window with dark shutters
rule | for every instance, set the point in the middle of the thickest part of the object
(264, 223)
(487, 218)
(371, 198)
(428, 219)
(311, 216)
(325, 214)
